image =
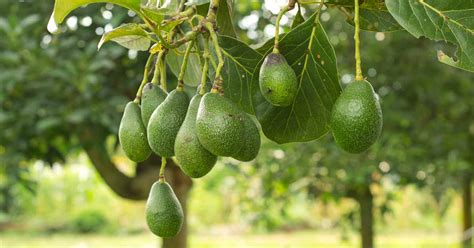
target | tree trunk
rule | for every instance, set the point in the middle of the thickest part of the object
(467, 213)
(181, 185)
(365, 200)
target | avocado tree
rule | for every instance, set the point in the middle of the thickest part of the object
(195, 41)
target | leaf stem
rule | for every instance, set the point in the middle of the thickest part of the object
(145, 78)
(162, 170)
(357, 41)
(185, 64)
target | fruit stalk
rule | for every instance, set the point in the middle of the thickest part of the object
(357, 41)
(185, 64)
(162, 170)
(156, 73)
(163, 73)
(218, 80)
(205, 68)
(145, 78)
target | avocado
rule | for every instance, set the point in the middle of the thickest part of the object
(251, 145)
(152, 97)
(192, 157)
(356, 119)
(278, 82)
(132, 134)
(220, 125)
(165, 122)
(164, 214)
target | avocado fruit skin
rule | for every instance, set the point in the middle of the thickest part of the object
(251, 145)
(152, 97)
(356, 118)
(220, 125)
(277, 80)
(192, 157)
(132, 134)
(165, 122)
(164, 214)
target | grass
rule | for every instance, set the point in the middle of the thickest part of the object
(304, 239)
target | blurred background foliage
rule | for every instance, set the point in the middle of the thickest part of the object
(52, 88)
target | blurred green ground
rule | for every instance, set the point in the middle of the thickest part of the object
(275, 240)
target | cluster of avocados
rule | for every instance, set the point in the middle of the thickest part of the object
(195, 132)
(356, 118)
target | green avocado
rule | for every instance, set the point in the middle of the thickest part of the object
(164, 214)
(220, 125)
(356, 119)
(251, 145)
(278, 82)
(152, 97)
(165, 122)
(193, 158)
(132, 134)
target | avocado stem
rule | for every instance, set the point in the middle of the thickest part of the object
(357, 41)
(185, 64)
(290, 6)
(145, 78)
(205, 68)
(162, 178)
(156, 73)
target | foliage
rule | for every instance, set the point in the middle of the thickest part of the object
(89, 221)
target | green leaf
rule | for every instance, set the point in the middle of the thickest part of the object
(224, 18)
(129, 35)
(240, 62)
(192, 76)
(298, 19)
(155, 14)
(440, 20)
(63, 7)
(309, 52)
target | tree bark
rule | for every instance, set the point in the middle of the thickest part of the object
(181, 185)
(467, 213)
(365, 200)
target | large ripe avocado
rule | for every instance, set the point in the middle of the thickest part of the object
(132, 134)
(192, 157)
(356, 119)
(165, 122)
(164, 214)
(220, 125)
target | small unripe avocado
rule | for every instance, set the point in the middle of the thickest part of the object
(192, 157)
(220, 125)
(165, 122)
(132, 134)
(164, 214)
(356, 119)
(278, 82)
(152, 97)
(251, 145)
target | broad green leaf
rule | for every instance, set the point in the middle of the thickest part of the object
(129, 35)
(224, 18)
(155, 14)
(298, 18)
(192, 76)
(309, 52)
(440, 20)
(63, 7)
(240, 62)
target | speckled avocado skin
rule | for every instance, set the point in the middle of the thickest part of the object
(165, 122)
(356, 119)
(251, 145)
(164, 214)
(220, 125)
(278, 82)
(192, 157)
(132, 134)
(152, 97)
